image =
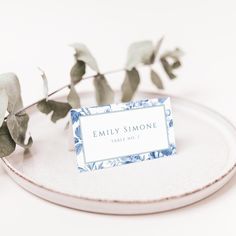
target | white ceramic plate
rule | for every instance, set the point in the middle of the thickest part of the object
(205, 162)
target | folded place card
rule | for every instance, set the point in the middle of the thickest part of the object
(119, 134)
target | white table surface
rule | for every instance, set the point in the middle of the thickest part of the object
(36, 33)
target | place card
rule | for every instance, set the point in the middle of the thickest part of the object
(120, 134)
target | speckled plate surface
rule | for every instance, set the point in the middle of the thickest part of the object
(205, 161)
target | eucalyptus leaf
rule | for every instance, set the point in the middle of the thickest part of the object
(7, 144)
(3, 105)
(17, 126)
(45, 83)
(177, 53)
(73, 98)
(83, 54)
(59, 109)
(10, 83)
(67, 126)
(130, 85)
(140, 53)
(157, 48)
(169, 67)
(176, 64)
(44, 106)
(170, 61)
(156, 79)
(77, 72)
(103, 91)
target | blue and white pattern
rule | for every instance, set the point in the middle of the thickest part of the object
(97, 165)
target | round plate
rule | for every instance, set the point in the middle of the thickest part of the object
(205, 161)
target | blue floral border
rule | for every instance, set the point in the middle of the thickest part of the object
(85, 111)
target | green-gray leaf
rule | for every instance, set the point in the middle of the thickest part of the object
(156, 79)
(73, 98)
(83, 54)
(157, 48)
(7, 144)
(45, 83)
(104, 93)
(77, 72)
(10, 83)
(59, 109)
(3, 105)
(140, 53)
(17, 126)
(170, 61)
(175, 54)
(170, 67)
(130, 85)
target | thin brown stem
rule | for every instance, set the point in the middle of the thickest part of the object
(68, 85)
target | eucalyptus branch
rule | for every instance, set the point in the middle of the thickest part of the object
(68, 85)
(14, 126)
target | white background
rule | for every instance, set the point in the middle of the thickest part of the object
(36, 33)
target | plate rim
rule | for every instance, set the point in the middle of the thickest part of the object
(151, 201)
(16, 172)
